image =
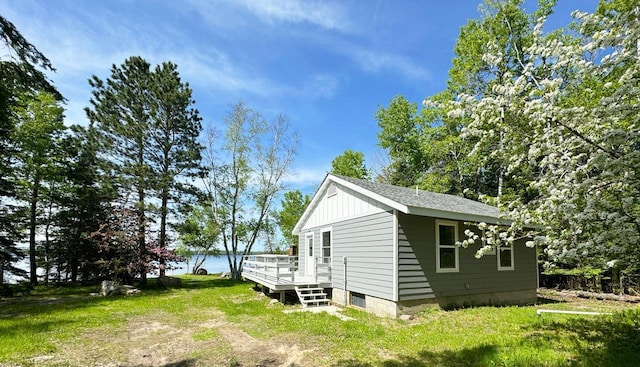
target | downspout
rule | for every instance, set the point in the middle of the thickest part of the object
(344, 267)
(395, 247)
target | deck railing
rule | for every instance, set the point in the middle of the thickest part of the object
(272, 268)
(281, 269)
(323, 269)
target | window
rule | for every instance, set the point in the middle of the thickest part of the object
(358, 299)
(447, 251)
(505, 257)
(309, 238)
(326, 246)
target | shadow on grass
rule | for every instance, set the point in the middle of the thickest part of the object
(427, 358)
(207, 281)
(597, 342)
(183, 363)
(546, 301)
(66, 298)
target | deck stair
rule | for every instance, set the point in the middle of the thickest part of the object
(312, 295)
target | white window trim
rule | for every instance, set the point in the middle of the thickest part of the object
(499, 251)
(306, 243)
(322, 231)
(457, 249)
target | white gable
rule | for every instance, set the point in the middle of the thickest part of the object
(339, 203)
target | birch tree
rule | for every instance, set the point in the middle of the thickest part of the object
(245, 171)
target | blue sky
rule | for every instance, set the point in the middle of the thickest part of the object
(327, 65)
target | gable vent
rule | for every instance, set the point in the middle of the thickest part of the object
(331, 190)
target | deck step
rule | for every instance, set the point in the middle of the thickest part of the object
(312, 295)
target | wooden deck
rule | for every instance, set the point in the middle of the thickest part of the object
(280, 272)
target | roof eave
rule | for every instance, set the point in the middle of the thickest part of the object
(468, 217)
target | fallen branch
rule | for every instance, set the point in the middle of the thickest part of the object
(600, 296)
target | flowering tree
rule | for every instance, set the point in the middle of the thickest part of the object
(570, 119)
(119, 253)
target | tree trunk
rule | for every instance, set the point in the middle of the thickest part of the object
(142, 243)
(163, 227)
(33, 278)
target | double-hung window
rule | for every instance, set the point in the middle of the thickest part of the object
(447, 257)
(326, 246)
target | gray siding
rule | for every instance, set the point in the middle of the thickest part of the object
(417, 276)
(367, 242)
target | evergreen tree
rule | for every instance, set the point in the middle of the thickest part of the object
(120, 108)
(22, 73)
(174, 151)
(150, 132)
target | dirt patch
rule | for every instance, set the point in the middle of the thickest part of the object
(155, 342)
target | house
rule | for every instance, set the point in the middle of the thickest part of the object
(392, 250)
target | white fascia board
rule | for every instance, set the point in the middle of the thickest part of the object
(426, 212)
(312, 204)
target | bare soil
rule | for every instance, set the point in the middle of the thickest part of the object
(159, 341)
(144, 342)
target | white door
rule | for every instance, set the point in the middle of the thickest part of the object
(310, 252)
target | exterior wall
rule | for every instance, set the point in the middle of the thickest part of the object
(336, 211)
(367, 243)
(478, 281)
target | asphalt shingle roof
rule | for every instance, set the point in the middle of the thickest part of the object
(426, 199)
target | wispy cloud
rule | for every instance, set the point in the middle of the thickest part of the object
(307, 177)
(372, 61)
(320, 13)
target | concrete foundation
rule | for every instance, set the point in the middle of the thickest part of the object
(387, 308)
(375, 305)
(523, 297)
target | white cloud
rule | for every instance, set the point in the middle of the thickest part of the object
(320, 13)
(372, 61)
(307, 177)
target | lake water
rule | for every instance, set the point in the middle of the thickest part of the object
(213, 264)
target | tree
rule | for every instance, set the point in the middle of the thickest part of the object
(150, 131)
(84, 204)
(293, 206)
(120, 110)
(198, 235)
(425, 147)
(174, 151)
(245, 172)
(351, 164)
(571, 114)
(22, 72)
(120, 256)
(37, 136)
(401, 130)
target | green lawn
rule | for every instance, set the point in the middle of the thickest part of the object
(210, 321)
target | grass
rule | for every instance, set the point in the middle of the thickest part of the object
(51, 321)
